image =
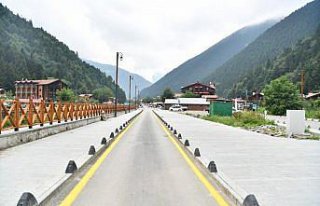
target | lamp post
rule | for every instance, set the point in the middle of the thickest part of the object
(138, 97)
(130, 79)
(135, 96)
(118, 56)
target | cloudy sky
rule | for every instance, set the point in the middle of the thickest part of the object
(154, 36)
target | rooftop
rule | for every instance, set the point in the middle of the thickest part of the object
(40, 81)
(201, 101)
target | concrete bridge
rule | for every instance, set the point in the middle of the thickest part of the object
(161, 158)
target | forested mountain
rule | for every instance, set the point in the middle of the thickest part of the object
(32, 53)
(203, 64)
(123, 77)
(304, 57)
(301, 24)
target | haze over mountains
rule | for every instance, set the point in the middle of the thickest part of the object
(246, 53)
(299, 25)
(198, 67)
(110, 70)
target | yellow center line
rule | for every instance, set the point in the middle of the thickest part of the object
(71, 197)
(213, 191)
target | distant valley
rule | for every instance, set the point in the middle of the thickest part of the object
(110, 70)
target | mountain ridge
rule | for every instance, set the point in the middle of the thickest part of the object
(33, 53)
(109, 69)
(300, 24)
(200, 65)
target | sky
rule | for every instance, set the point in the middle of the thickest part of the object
(154, 36)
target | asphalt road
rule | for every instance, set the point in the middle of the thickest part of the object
(144, 168)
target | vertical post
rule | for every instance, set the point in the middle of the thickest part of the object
(16, 115)
(302, 83)
(1, 102)
(130, 78)
(42, 108)
(116, 95)
(30, 114)
(135, 96)
(138, 97)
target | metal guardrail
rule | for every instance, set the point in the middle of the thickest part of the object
(17, 115)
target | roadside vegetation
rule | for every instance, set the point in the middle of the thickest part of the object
(241, 119)
(281, 95)
(312, 109)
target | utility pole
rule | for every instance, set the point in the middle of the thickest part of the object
(138, 97)
(135, 96)
(118, 55)
(302, 83)
(130, 79)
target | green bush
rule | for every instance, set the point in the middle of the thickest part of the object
(281, 95)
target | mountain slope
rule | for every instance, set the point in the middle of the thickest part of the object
(203, 64)
(32, 53)
(305, 55)
(299, 25)
(123, 76)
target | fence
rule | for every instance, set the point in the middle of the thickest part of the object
(14, 114)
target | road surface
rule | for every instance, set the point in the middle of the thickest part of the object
(144, 168)
(278, 171)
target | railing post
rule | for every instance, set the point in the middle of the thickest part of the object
(1, 103)
(51, 111)
(30, 114)
(71, 111)
(65, 112)
(42, 113)
(16, 115)
(59, 111)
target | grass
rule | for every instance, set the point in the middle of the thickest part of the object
(313, 114)
(242, 119)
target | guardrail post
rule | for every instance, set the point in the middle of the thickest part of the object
(59, 111)
(51, 111)
(30, 114)
(42, 105)
(16, 115)
(1, 103)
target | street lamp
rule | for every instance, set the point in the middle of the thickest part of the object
(130, 79)
(135, 96)
(119, 55)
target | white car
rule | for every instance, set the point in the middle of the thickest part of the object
(176, 108)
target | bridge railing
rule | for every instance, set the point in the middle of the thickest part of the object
(16, 114)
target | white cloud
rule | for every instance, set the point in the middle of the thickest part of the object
(154, 36)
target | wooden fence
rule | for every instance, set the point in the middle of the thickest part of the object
(14, 114)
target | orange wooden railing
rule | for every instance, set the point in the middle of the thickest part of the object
(19, 115)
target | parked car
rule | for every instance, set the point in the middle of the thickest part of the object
(176, 108)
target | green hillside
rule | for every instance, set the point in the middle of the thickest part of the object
(203, 64)
(301, 24)
(32, 53)
(305, 56)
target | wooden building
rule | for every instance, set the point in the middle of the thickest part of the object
(200, 89)
(256, 96)
(38, 89)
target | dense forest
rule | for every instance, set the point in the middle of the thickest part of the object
(32, 53)
(301, 24)
(303, 58)
(203, 64)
